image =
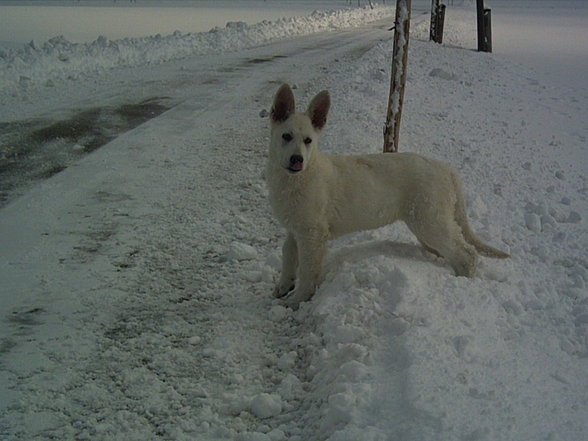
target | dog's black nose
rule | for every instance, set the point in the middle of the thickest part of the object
(296, 159)
(296, 163)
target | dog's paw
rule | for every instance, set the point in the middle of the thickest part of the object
(291, 303)
(283, 290)
(466, 267)
(295, 298)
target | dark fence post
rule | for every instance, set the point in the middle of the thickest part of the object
(440, 23)
(480, 17)
(484, 27)
(437, 21)
(488, 30)
(433, 27)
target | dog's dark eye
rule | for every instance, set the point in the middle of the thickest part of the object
(287, 137)
(307, 141)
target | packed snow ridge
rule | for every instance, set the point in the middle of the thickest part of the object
(59, 59)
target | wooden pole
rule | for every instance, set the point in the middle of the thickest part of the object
(398, 80)
(440, 23)
(487, 30)
(437, 21)
(480, 17)
(433, 26)
(484, 27)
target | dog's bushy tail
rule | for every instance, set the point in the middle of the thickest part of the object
(468, 234)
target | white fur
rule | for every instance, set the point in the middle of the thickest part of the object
(331, 195)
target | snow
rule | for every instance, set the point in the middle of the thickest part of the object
(550, 37)
(25, 20)
(266, 405)
(241, 251)
(58, 58)
(136, 284)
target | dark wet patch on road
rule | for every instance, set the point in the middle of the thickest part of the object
(34, 150)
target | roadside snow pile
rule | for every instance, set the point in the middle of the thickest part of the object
(59, 59)
(410, 352)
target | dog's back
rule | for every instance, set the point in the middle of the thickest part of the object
(370, 191)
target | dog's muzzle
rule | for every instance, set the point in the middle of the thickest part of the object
(296, 163)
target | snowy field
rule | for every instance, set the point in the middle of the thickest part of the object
(136, 274)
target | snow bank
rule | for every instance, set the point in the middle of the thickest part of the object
(59, 59)
(411, 352)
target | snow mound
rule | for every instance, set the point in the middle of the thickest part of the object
(60, 59)
(266, 405)
(241, 251)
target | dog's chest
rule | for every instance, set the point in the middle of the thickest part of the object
(293, 205)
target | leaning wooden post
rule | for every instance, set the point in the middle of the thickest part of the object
(398, 80)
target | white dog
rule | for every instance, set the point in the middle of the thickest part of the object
(318, 197)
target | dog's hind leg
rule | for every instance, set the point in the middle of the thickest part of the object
(289, 267)
(459, 254)
(463, 259)
(462, 219)
(443, 235)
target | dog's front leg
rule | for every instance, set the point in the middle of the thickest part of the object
(311, 252)
(289, 266)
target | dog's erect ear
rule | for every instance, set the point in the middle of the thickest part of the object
(318, 109)
(284, 104)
